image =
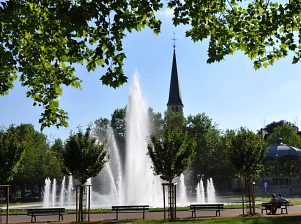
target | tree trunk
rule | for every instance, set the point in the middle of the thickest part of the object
(250, 199)
(171, 201)
(80, 204)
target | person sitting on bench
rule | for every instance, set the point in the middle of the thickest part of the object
(281, 200)
(273, 207)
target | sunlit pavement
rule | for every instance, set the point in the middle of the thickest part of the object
(293, 210)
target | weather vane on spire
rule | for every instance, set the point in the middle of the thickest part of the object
(174, 40)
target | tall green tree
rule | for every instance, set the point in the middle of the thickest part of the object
(171, 154)
(270, 127)
(246, 151)
(10, 153)
(210, 159)
(287, 133)
(37, 161)
(100, 129)
(118, 124)
(84, 158)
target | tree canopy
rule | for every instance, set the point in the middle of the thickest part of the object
(210, 159)
(287, 133)
(83, 156)
(172, 152)
(264, 30)
(42, 40)
(246, 151)
(10, 153)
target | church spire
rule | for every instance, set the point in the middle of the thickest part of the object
(175, 100)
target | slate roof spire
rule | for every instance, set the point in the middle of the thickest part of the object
(174, 103)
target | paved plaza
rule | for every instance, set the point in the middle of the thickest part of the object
(293, 210)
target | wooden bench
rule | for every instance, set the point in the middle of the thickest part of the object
(130, 209)
(267, 205)
(206, 207)
(34, 212)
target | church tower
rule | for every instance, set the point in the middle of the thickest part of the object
(175, 100)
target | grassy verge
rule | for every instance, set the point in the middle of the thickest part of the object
(238, 220)
(72, 211)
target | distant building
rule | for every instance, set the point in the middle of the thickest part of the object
(174, 103)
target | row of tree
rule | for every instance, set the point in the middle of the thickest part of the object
(212, 154)
(27, 158)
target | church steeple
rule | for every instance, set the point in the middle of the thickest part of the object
(175, 100)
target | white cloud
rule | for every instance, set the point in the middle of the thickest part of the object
(166, 13)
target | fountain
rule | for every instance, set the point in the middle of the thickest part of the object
(69, 191)
(200, 192)
(66, 197)
(46, 196)
(107, 185)
(183, 195)
(137, 163)
(210, 191)
(62, 193)
(136, 184)
(53, 193)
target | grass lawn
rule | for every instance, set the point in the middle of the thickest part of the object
(249, 220)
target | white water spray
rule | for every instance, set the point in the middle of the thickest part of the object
(200, 192)
(46, 196)
(53, 193)
(210, 191)
(62, 193)
(70, 191)
(183, 195)
(139, 181)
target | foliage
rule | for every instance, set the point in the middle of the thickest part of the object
(157, 122)
(100, 129)
(173, 120)
(291, 167)
(83, 156)
(41, 41)
(270, 167)
(210, 159)
(264, 30)
(287, 133)
(37, 161)
(171, 153)
(246, 151)
(118, 123)
(270, 127)
(10, 153)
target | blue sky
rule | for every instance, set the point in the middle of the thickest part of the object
(231, 92)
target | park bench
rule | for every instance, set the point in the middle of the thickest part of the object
(267, 205)
(34, 212)
(130, 208)
(206, 207)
